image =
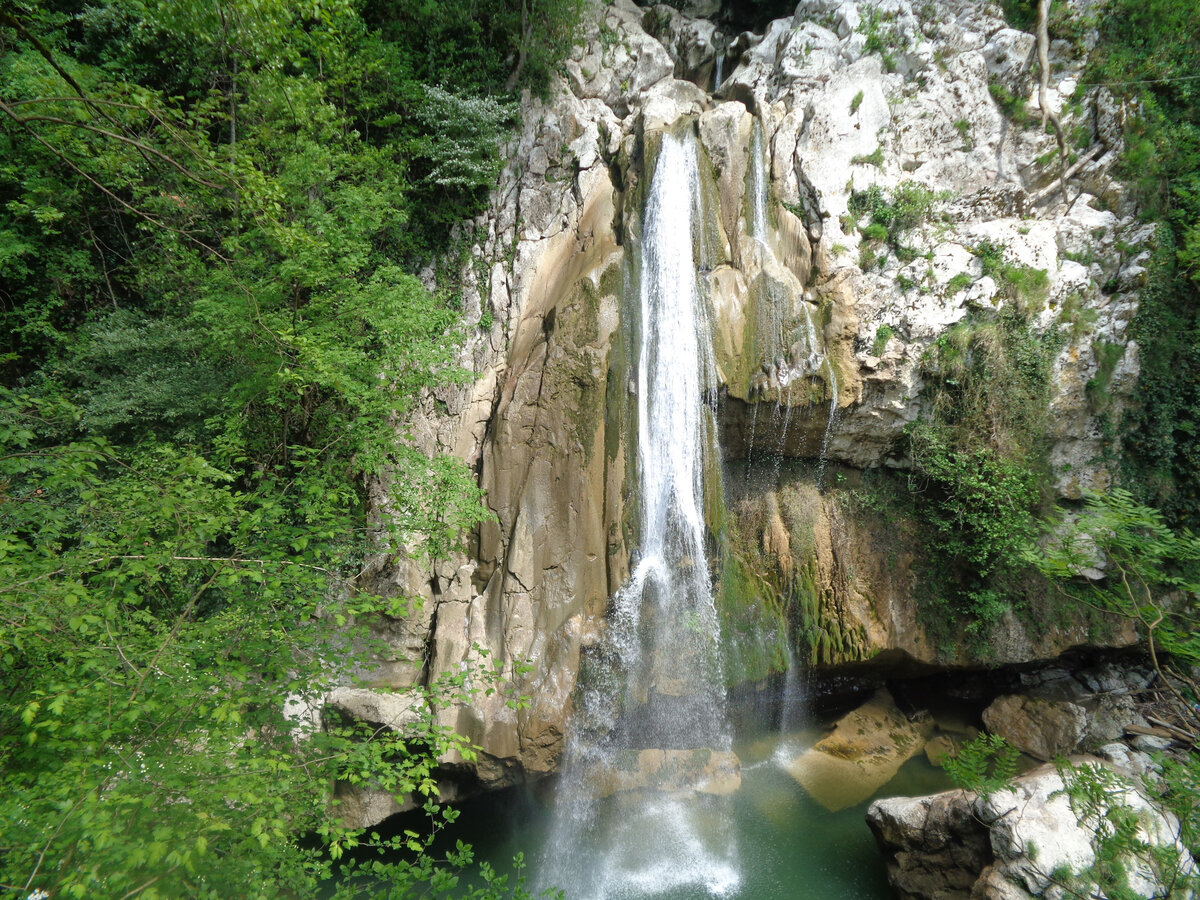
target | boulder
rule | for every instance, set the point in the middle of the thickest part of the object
(1017, 843)
(392, 710)
(863, 752)
(1042, 728)
(935, 846)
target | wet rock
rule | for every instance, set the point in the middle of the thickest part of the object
(863, 753)
(700, 770)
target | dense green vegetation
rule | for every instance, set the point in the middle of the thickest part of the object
(979, 454)
(1148, 55)
(209, 217)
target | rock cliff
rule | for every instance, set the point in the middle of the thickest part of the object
(822, 322)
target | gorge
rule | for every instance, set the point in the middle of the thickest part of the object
(550, 424)
(724, 278)
(679, 441)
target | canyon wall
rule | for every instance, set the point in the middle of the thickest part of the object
(822, 329)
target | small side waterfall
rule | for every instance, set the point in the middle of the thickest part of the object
(651, 726)
(789, 343)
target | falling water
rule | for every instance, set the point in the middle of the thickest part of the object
(792, 711)
(717, 77)
(758, 185)
(829, 425)
(656, 681)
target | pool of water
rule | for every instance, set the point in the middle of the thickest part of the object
(784, 844)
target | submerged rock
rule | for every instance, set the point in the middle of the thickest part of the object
(864, 751)
(700, 770)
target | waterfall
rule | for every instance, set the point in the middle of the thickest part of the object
(759, 186)
(654, 687)
(831, 424)
(717, 75)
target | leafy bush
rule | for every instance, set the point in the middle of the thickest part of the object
(1019, 282)
(959, 282)
(875, 232)
(978, 456)
(1013, 107)
(883, 334)
(210, 215)
(982, 502)
(910, 204)
(984, 765)
(874, 158)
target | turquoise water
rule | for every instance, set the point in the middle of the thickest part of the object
(788, 845)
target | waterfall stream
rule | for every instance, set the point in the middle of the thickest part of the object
(651, 728)
(759, 190)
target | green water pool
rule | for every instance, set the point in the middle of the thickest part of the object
(785, 844)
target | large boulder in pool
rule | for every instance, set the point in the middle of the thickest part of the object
(863, 753)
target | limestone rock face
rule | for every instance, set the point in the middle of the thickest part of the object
(855, 571)
(1014, 843)
(818, 333)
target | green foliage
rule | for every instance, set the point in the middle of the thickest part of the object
(1013, 107)
(883, 334)
(209, 218)
(981, 517)
(1152, 575)
(1154, 571)
(959, 282)
(856, 102)
(874, 158)
(875, 232)
(1101, 802)
(1078, 318)
(881, 38)
(1022, 283)
(1107, 356)
(978, 456)
(984, 765)
(1149, 55)
(910, 204)
(963, 127)
(159, 622)
(1181, 796)
(1020, 14)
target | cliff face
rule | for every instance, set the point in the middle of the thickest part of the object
(820, 326)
